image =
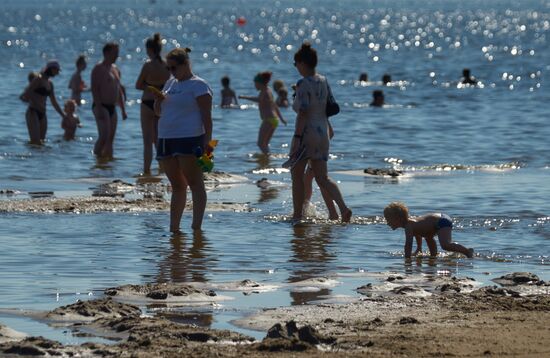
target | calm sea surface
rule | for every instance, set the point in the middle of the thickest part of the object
(494, 138)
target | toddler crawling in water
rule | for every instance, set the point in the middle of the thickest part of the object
(427, 226)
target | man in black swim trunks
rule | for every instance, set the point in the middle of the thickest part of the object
(106, 93)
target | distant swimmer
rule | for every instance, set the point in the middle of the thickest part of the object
(37, 92)
(71, 120)
(386, 79)
(269, 111)
(107, 93)
(77, 84)
(377, 98)
(467, 78)
(427, 226)
(363, 77)
(229, 98)
(154, 74)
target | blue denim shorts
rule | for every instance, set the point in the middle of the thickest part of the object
(171, 147)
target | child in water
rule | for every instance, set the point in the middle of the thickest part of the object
(228, 95)
(71, 120)
(269, 112)
(76, 84)
(31, 76)
(282, 98)
(282, 93)
(427, 226)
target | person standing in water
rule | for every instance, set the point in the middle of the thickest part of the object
(36, 94)
(467, 78)
(269, 112)
(76, 84)
(153, 73)
(377, 98)
(229, 98)
(185, 129)
(107, 93)
(310, 142)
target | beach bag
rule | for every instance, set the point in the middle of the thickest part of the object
(332, 108)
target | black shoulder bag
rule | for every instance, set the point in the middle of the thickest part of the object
(332, 108)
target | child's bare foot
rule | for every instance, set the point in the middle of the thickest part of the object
(470, 253)
(346, 215)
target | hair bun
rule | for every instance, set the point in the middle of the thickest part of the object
(306, 46)
(156, 37)
(187, 50)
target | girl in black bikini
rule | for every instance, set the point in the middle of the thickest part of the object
(36, 94)
(153, 73)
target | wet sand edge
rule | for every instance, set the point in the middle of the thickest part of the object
(486, 321)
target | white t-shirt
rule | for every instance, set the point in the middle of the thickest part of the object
(180, 116)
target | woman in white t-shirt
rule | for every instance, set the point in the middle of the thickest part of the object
(184, 130)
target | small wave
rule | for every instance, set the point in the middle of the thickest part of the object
(454, 167)
(311, 221)
(5, 155)
(368, 105)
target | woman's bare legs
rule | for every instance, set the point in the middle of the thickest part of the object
(179, 191)
(33, 126)
(325, 183)
(193, 174)
(297, 174)
(43, 128)
(149, 132)
(308, 192)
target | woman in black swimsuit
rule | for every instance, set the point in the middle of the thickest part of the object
(36, 94)
(153, 73)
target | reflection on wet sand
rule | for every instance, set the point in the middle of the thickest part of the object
(183, 264)
(310, 259)
(268, 192)
(187, 264)
(262, 160)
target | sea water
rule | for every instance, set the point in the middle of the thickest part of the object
(481, 155)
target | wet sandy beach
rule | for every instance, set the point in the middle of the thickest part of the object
(456, 318)
(396, 315)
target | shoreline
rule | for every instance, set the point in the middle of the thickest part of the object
(454, 318)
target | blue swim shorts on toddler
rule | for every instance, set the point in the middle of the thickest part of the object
(444, 221)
